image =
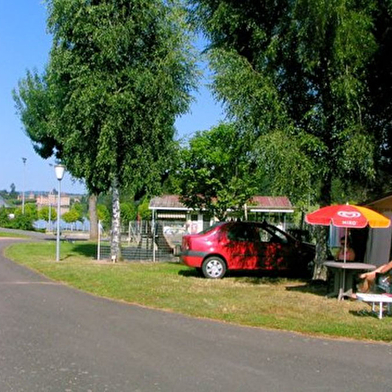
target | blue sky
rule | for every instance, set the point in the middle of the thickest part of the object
(25, 45)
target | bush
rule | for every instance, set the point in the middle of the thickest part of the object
(143, 210)
(21, 222)
(4, 220)
(128, 213)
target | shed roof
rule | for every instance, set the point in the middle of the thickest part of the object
(270, 203)
(257, 204)
(381, 204)
(167, 202)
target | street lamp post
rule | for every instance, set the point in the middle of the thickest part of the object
(59, 170)
(24, 184)
(50, 212)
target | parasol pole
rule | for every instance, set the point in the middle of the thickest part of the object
(345, 244)
(344, 257)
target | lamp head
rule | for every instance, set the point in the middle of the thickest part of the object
(59, 170)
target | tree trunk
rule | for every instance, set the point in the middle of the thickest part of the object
(321, 232)
(92, 211)
(319, 271)
(115, 248)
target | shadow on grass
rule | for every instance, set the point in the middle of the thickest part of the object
(272, 278)
(246, 277)
(365, 313)
(317, 287)
(85, 249)
(252, 276)
(190, 273)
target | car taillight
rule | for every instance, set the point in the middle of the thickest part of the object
(185, 243)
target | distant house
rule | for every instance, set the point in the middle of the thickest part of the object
(51, 200)
(29, 196)
(169, 207)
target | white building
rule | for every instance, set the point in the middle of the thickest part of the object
(51, 200)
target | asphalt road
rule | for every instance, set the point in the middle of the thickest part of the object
(54, 338)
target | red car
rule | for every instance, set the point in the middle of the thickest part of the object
(245, 246)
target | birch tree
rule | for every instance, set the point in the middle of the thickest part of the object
(119, 73)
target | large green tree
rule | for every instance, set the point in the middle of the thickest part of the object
(296, 76)
(215, 173)
(310, 83)
(119, 73)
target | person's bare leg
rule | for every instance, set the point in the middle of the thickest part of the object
(367, 283)
(363, 287)
(368, 278)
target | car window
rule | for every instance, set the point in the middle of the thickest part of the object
(210, 228)
(270, 234)
(242, 233)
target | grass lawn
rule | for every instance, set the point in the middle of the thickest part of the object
(277, 303)
(4, 234)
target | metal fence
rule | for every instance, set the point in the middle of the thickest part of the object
(146, 241)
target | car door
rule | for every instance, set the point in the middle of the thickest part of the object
(242, 246)
(274, 249)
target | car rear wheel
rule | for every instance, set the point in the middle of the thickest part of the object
(214, 268)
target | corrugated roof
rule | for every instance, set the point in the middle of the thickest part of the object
(275, 202)
(272, 203)
(171, 202)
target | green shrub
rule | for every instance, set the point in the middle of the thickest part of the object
(21, 222)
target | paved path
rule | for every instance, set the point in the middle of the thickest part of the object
(53, 338)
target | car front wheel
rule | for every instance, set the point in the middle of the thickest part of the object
(214, 268)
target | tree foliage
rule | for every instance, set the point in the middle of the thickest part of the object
(13, 192)
(304, 80)
(214, 173)
(30, 211)
(74, 215)
(14, 219)
(128, 213)
(46, 213)
(103, 215)
(4, 219)
(119, 73)
(143, 211)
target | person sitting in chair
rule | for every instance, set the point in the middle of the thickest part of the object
(350, 254)
(369, 278)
